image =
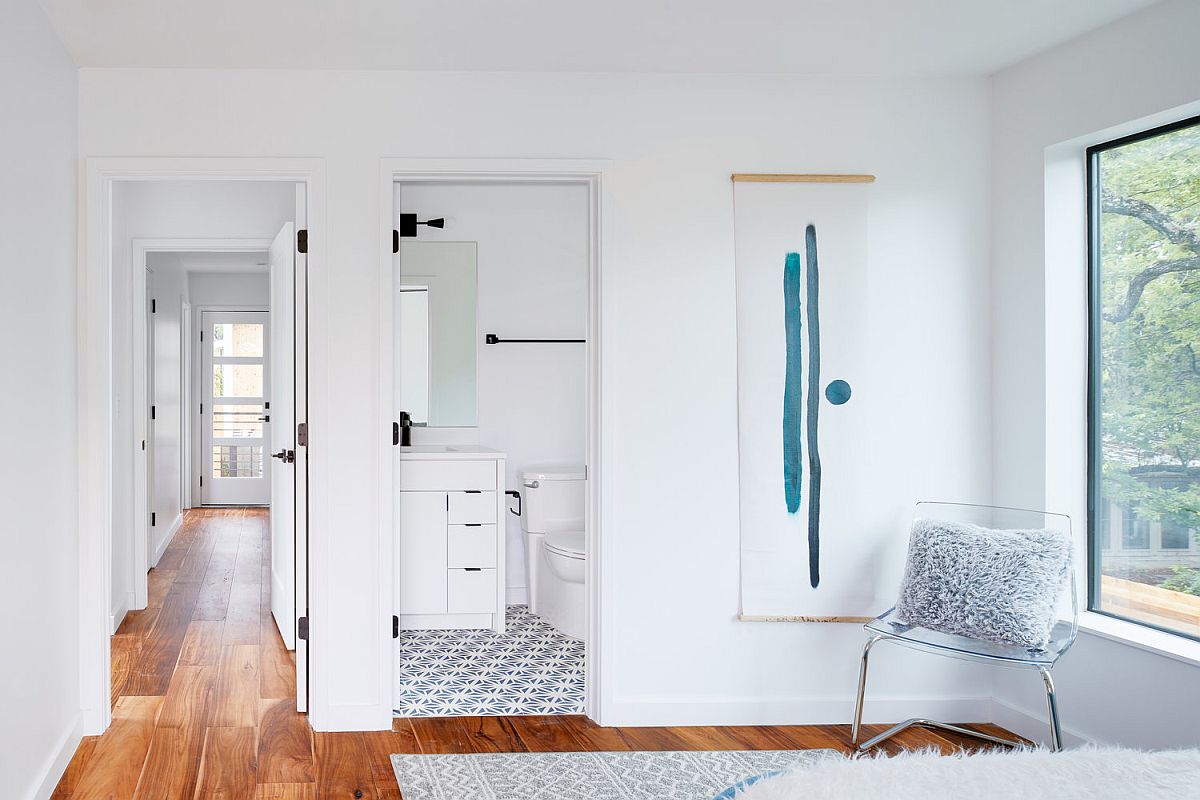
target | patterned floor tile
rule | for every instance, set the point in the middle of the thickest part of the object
(531, 668)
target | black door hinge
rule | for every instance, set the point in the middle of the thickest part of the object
(302, 628)
(153, 306)
(302, 240)
(395, 241)
(395, 433)
(143, 444)
(152, 412)
(302, 434)
(201, 480)
(202, 336)
(395, 627)
(202, 408)
(153, 519)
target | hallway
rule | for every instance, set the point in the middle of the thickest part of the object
(203, 699)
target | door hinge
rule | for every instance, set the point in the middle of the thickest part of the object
(153, 306)
(395, 627)
(202, 336)
(302, 434)
(395, 433)
(395, 241)
(202, 408)
(201, 480)
(302, 628)
(302, 240)
(143, 444)
(152, 412)
(153, 519)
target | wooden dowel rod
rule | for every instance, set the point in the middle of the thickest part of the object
(767, 177)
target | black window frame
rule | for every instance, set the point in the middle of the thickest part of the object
(1094, 454)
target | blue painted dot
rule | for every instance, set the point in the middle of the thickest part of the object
(837, 392)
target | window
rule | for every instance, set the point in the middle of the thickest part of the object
(1144, 377)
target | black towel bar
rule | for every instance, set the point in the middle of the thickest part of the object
(491, 338)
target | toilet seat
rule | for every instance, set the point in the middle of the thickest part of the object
(570, 544)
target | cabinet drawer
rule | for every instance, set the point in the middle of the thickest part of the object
(440, 476)
(466, 508)
(471, 591)
(471, 546)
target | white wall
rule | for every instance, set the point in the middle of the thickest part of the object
(166, 210)
(169, 288)
(532, 265)
(39, 675)
(229, 289)
(669, 475)
(1046, 111)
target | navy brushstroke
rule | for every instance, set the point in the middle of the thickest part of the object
(813, 405)
(793, 469)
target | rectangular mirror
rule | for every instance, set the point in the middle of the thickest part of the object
(435, 333)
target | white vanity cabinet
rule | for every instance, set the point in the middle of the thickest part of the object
(449, 535)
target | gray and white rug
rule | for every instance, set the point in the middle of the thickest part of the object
(696, 775)
(531, 668)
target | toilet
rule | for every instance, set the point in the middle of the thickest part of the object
(552, 512)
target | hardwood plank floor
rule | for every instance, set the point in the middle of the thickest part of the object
(203, 698)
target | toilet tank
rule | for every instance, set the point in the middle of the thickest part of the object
(552, 498)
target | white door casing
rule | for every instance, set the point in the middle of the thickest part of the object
(234, 423)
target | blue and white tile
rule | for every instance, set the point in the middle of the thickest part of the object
(531, 668)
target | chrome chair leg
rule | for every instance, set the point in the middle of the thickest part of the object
(862, 689)
(1052, 707)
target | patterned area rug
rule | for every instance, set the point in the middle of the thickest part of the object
(529, 669)
(588, 776)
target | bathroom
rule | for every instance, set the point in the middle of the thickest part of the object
(490, 287)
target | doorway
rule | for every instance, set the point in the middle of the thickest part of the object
(234, 409)
(232, 378)
(510, 345)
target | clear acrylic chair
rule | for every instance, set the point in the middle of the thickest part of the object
(887, 627)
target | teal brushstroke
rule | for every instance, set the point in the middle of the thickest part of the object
(837, 392)
(793, 468)
(813, 405)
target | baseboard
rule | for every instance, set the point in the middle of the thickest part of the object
(166, 541)
(351, 718)
(118, 613)
(793, 711)
(289, 635)
(516, 596)
(1031, 726)
(64, 750)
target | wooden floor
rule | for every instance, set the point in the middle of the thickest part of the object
(203, 699)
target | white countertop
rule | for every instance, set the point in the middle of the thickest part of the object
(447, 452)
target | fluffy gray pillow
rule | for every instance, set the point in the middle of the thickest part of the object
(997, 585)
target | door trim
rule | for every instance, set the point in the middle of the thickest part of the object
(95, 412)
(140, 249)
(599, 694)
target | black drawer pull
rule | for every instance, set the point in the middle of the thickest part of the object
(472, 524)
(473, 569)
(472, 491)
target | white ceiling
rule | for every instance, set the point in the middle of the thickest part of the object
(850, 37)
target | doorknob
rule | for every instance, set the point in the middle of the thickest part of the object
(286, 456)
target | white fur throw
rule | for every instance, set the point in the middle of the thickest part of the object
(998, 585)
(1087, 774)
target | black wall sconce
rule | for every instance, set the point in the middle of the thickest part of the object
(408, 228)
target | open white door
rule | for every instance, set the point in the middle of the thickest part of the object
(282, 272)
(289, 453)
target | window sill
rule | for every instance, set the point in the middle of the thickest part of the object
(1141, 637)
